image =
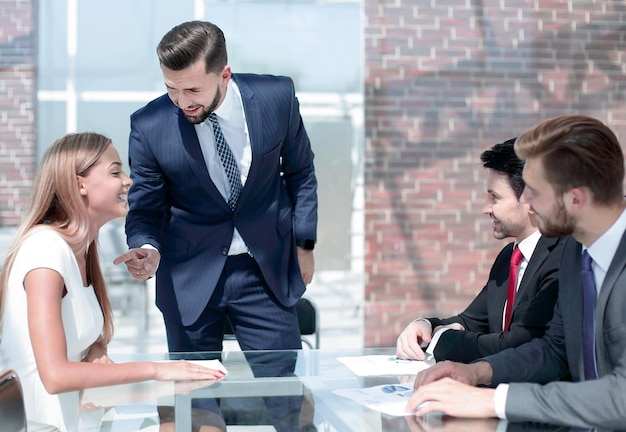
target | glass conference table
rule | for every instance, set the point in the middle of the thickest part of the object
(283, 391)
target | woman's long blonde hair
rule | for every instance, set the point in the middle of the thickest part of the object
(56, 204)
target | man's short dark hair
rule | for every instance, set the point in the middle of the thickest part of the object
(502, 158)
(191, 41)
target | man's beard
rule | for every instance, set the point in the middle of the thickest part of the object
(561, 223)
(507, 229)
(204, 114)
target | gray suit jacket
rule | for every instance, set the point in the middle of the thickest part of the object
(600, 403)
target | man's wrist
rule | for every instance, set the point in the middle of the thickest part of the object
(306, 244)
(483, 372)
(425, 320)
(149, 246)
(433, 342)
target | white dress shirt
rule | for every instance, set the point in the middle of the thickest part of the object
(233, 124)
(526, 247)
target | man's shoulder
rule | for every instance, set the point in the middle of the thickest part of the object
(161, 103)
(505, 252)
(260, 82)
(547, 254)
(571, 252)
(260, 78)
(551, 242)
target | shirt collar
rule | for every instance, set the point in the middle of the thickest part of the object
(227, 107)
(604, 248)
(528, 245)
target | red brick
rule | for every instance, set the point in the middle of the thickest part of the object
(438, 117)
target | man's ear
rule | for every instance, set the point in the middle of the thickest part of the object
(225, 75)
(577, 198)
(81, 185)
(524, 204)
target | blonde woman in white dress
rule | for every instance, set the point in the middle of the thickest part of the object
(56, 318)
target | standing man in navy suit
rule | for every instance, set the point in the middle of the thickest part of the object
(222, 248)
(482, 328)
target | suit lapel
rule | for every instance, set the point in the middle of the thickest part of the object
(615, 270)
(255, 130)
(610, 281)
(498, 296)
(571, 301)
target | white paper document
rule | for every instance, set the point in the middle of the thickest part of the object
(383, 365)
(388, 398)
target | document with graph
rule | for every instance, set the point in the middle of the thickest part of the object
(388, 398)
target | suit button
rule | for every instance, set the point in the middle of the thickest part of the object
(225, 251)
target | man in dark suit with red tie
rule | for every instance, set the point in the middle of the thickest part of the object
(224, 198)
(517, 300)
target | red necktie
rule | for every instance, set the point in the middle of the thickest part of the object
(516, 258)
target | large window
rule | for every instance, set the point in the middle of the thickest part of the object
(97, 64)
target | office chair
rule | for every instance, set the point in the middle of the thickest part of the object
(12, 411)
(12, 414)
(308, 321)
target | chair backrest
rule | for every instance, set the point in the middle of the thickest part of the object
(308, 322)
(12, 414)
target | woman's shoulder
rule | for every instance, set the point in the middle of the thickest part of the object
(44, 247)
(45, 238)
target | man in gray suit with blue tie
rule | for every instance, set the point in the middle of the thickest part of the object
(224, 198)
(574, 176)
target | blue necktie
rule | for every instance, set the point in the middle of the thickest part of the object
(228, 162)
(589, 306)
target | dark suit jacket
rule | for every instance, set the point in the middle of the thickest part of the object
(533, 307)
(174, 205)
(600, 403)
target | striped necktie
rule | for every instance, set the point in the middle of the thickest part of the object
(228, 162)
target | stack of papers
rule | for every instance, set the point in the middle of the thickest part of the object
(387, 398)
(383, 365)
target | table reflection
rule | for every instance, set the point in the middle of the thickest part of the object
(443, 423)
(285, 413)
(291, 391)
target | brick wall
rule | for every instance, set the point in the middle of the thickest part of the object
(446, 79)
(17, 106)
